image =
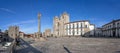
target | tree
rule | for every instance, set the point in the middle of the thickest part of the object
(0, 30)
(6, 32)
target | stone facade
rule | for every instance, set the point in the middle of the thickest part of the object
(36, 35)
(79, 28)
(112, 29)
(58, 24)
(22, 34)
(13, 31)
(47, 33)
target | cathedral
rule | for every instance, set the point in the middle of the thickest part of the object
(58, 24)
(63, 27)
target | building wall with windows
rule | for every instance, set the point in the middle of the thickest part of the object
(112, 29)
(47, 33)
(98, 32)
(79, 28)
(13, 31)
(1, 36)
(22, 34)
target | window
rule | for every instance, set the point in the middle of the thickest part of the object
(85, 26)
(118, 32)
(69, 26)
(110, 26)
(77, 31)
(73, 25)
(81, 25)
(77, 25)
(117, 24)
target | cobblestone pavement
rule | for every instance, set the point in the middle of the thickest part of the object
(78, 45)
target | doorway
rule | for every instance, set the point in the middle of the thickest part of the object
(114, 33)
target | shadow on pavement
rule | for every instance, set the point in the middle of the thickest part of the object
(117, 52)
(25, 47)
(68, 51)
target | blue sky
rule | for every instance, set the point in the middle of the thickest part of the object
(24, 12)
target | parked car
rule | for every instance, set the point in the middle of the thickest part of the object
(6, 45)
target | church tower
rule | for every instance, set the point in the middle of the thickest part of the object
(63, 19)
(56, 26)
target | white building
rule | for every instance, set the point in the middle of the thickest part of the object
(112, 29)
(98, 32)
(79, 28)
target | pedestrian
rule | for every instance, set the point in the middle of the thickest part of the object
(17, 41)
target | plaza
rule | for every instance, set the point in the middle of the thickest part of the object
(71, 45)
(59, 26)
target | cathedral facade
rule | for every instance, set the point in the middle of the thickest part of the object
(63, 27)
(58, 24)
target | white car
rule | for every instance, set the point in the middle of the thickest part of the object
(6, 45)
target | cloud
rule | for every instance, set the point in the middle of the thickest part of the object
(27, 26)
(20, 23)
(29, 29)
(7, 10)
